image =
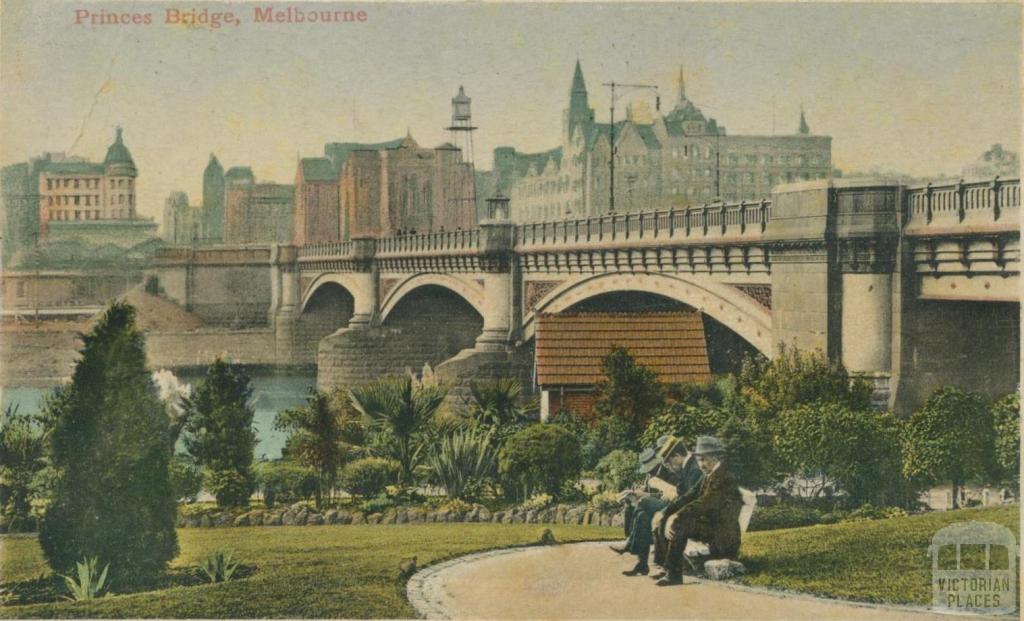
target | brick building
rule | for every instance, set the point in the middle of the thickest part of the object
(197, 224)
(318, 215)
(256, 212)
(571, 347)
(677, 159)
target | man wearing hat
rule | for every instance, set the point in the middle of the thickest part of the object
(712, 516)
(672, 464)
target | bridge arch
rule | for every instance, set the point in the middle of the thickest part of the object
(723, 303)
(349, 282)
(471, 292)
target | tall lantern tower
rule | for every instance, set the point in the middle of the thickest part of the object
(461, 130)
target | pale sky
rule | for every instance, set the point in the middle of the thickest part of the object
(919, 88)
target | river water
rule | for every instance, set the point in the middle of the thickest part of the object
(272, 392)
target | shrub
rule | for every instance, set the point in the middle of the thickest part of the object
(949, 438)
(684, 421)
(618, 471)
(111, 445)
(285, 481)
(540, 457)
(369, 476)
(380, 504)
(462, 462)
(496, 405)
(186, 479)
(858, 451)
(22, 460)
(1006, 419)
(537, 502)
(790, 516)
(870, 512)
(89, 584)
(219, 432)
(632, 391)
(608, 434)
(606, 502)
(219, 566)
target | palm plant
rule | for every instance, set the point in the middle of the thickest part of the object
(403, 413)
(462, 459)
(496, 404)
(89, 584)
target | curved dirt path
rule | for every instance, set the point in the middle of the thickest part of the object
(583, 581)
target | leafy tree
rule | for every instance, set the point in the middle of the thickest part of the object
(684, 421)
(608, 434)
(323, 435)
(113, 497)
(186, 478)
(1006, 419)
(949, 438)
(463, 462)
(219, 434)
(540, 458)
(632, 391)
(856, 451)
(22, 461)
(404, 414)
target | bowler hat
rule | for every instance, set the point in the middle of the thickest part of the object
(707, 445)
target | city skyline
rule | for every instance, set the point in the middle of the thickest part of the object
(890, 95)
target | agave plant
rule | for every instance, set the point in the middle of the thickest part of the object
(219, 566)
(89, 584)
(462, 458)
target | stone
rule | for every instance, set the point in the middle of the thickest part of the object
(331, 517)
(518, 517)
(618, 520)
(301, 518)
(268, 519)
(242, 520)
(344, 517)
(498, 517)
(588, 518)
(474, 515)
(402, 517)
(484, 515)
(560, 516)
(315, 520)
(192, 521)
(531, 517)
(288, 518)
(205, 521)
(358, 518)
(723, 569)
(391, 517)
(442, 515)
(374, 518)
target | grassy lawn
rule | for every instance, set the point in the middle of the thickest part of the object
(877, 561)
(352, 571)
(302, 571)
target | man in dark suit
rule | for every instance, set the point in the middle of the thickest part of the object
(712, 516)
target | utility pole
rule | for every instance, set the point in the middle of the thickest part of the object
(718, 164)
(611, 131)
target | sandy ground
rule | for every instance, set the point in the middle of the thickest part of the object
(583, 581)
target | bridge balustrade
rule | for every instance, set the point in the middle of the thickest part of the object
(429, 243)
(962, 205)
(721, 220)
(326, 250)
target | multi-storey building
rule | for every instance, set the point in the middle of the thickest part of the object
(256, 212)
(197, 224)
(676, 159)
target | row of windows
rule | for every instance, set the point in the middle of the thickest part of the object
(65, 214)
(93, 183)
(88, 200)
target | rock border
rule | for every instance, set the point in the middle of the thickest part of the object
(300, 514)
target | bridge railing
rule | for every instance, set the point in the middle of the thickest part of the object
(326, 250)
(744, 219)
(429, 243)
(994, 203)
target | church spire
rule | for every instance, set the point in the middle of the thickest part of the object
(682, 84)
(578, 85)
(804, 129)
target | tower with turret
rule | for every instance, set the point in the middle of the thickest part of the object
(120, 172)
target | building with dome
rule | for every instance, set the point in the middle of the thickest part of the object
(675, 159)
(89, 200)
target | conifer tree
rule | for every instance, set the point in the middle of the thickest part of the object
(109, 446)
(219, 433)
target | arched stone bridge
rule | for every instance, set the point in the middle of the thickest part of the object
(909, 286)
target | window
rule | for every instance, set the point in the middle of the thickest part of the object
(76, 184)
(686, 150)
(112, 183)
(78, 199)
(49, 200)
(751, 159)
(78, 215)
(49, 184)
(96, 214)
(21, 288)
